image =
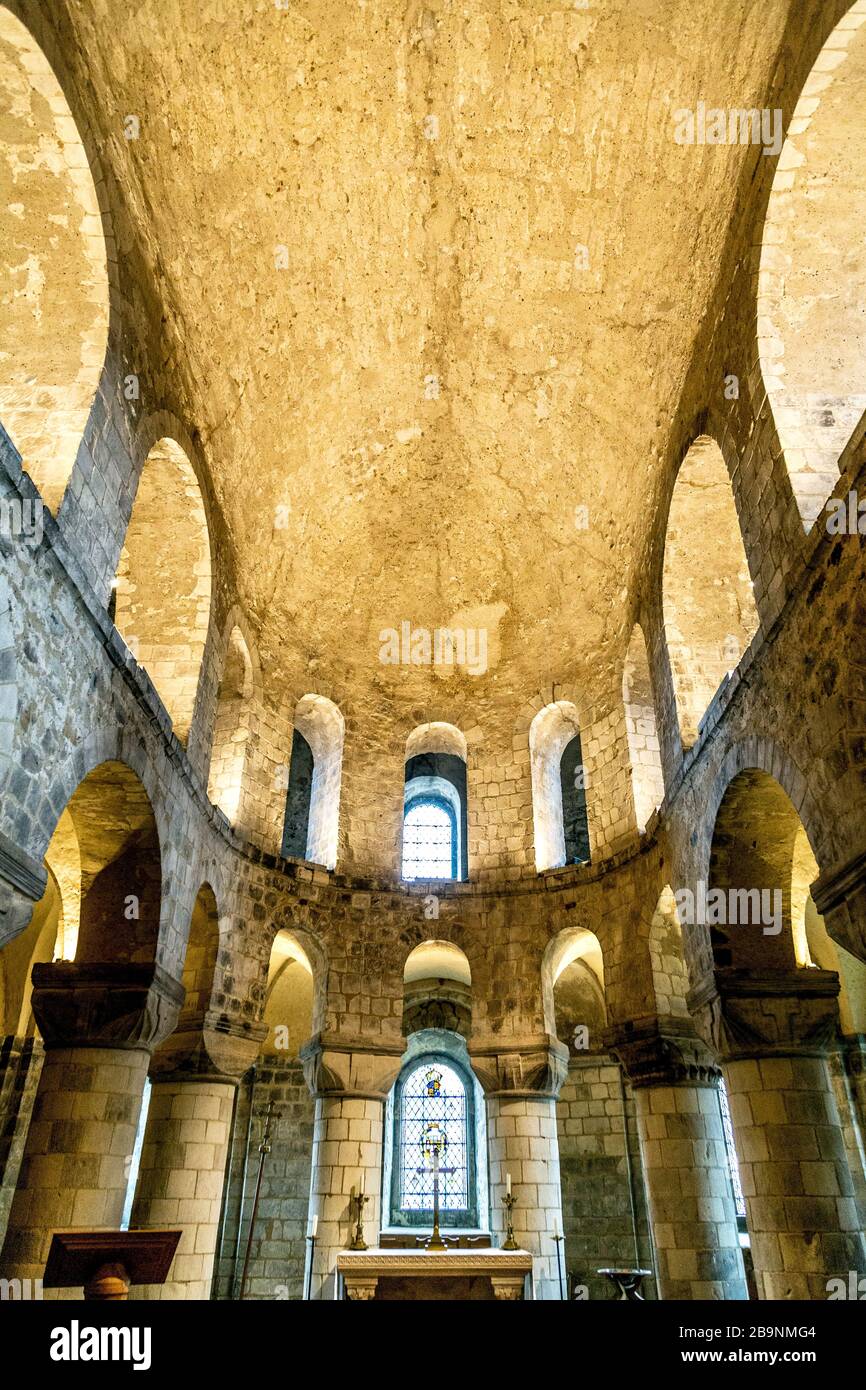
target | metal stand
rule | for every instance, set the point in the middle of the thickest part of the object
(509, 1203)
(264, 1150)
(560, 1240)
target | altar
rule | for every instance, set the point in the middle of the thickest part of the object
(457, 1275)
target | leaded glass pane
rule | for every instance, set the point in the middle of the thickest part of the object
(428, 841)
(433, 1112)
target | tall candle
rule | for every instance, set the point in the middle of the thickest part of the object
(361, 1186)
(315, 1226)
(508, 1184)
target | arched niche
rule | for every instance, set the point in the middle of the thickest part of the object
(201, 957)
(559, 784)
(312, 823)
(232, 727)
(670, 974)
(162, 590)
(54, 310)
(437, 989)
(289, 998)
(435, 804)
(643, 740)
(710, 615)
(762, 867)
(573, 990)
(812, 280)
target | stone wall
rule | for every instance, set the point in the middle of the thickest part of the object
(603, 1204)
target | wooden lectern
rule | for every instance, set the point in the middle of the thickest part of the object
(107, 1262)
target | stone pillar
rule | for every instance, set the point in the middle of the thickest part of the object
(98, 1023)
(521, 1086)
(685, 1163)
(350, 1084)
(773, 1032)
(22, 883)
(194, 1076)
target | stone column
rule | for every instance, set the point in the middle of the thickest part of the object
(521, 1086)
(99, 1024)
(350, 1083)
(773, 1032)
(684, 1157)
(839, 895)
(194, 1076)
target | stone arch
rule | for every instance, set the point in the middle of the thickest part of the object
(753, 876)
(643, 741)
(289, 996)
(162, 589)
(812, 277)
(667, 959)
(437, 988)
(200, 961)
(558, 800)
(573, 989)
(312, 823)
(435, 789)
(233, 724)
(710, 616)
(55, 317)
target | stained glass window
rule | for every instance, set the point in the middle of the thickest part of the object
(429, 839)
(433, 1115)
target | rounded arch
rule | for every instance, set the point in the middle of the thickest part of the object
(312, 822)
(710, 616)
(559, 783)
(200, 960)
(289, 996)
(670, 974)
(162, 589)
(643, 741)
(54, 315)
(437, 989)
(573, 989)
(232, 725)
(435, 805)
(812, 277)
(437, 737)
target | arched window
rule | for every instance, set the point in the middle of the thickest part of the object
(433, 1104)
(429, 838)
(812, 278)
(435, 820)
(162, 590)
(709, 606)
(55, 304)
(559, 786)
(640, 721)
(312, 823)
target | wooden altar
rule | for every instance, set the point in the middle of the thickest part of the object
(453, 1274)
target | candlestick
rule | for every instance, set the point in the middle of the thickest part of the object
(560, 1240)
(356, 1204)
(509, 1203)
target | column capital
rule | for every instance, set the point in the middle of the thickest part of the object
(342, 1067)
(209, 1048)
(531, 1066)
(839, 894)
(656, 1051)
(744, 1014)
(127, 1006)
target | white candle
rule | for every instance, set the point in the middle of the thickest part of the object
(361, 1186)
(555, 1229)
(508, 1184)
(315, 1226)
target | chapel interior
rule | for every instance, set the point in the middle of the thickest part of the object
(433, 646)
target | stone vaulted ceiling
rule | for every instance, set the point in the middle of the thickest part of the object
(496, 262)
